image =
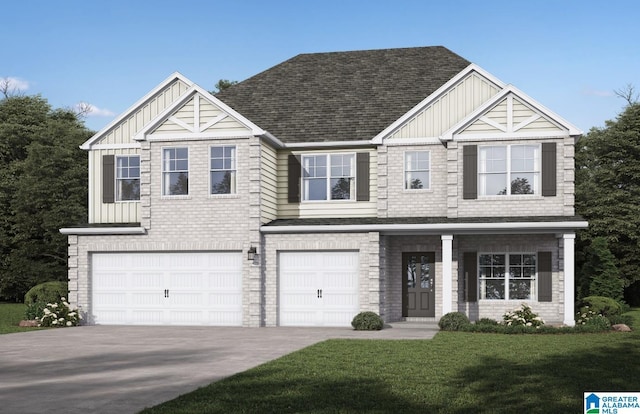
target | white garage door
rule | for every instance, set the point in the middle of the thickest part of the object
(167, 288)
(318, 288)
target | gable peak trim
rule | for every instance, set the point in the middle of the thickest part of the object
(87, 145)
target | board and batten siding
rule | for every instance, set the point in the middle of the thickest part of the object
(125, 130)
(268, 184)
(326, 209)
(448, 109)
(119, 211)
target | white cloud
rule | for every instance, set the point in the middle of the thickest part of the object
(92, 110)
(15, 84)
(595, 92)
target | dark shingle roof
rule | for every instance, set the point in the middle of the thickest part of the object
(341, 96)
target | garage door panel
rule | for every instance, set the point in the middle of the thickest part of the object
(318, 288)
(167, 288)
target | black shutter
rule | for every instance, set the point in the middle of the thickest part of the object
(549, 169)
(470, 172)
(294, 178)
(545, 277)
(362, 176)
(108, 179)
(470, 269)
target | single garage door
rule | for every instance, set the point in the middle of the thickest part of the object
(318, 288)
(197, 288)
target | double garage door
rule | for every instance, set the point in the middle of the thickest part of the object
(318, 288)
(197, 288)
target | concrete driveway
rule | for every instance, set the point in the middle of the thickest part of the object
(118, 369)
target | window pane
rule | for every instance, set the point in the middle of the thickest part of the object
(492, 289)
(178, 183)
(417, 180)
(128, 190)
(493, 184)
(425, 273)
(522, 183)
(340, 189)
(485, 259)
(520, 289)
(515, 259)
(316, 189)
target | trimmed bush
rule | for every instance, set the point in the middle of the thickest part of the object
(599, 322)
(487, 321)
(367, 321)
(601, 305)
(523, 316)
(454, 321)
(47, 292)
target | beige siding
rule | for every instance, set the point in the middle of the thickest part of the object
(268, 184)
(208, 113)
(118, 212)
(512, 117)
(125, 130)
(449, 108)
(323, 209)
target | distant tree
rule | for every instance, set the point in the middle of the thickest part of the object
(223, 84)
(43, 187)
(608, 189)
(341, 189)
(518, 186)
(599, 275)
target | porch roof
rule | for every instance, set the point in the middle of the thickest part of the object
(430, 225)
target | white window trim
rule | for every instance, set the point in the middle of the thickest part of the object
(115, 175)
(404, 173)
(162, 171)
(328, 155)
(534, 296)
(235, 161)
(537, 185)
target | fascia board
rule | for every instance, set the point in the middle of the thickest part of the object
(175, 75)
(102, 230)
(456, 228)
(435, 95)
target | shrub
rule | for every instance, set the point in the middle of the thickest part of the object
(454, 321)
(367, 321)
(47, 292)
(35, 310)
(601, 305)
(616, 319)
(599, 322)
(522, 316)
(487, 321)
(59, 314)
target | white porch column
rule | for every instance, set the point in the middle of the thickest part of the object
(447, 272)
(569, 278)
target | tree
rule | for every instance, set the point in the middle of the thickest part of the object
(223, 84)
(43, 187)
(608, 189)
(599, 275)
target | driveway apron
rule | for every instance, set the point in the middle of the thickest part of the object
(123, 369)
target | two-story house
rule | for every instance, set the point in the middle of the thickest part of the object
(408, 182)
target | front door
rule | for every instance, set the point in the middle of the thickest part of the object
(418, 284)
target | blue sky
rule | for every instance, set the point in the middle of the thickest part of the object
(569, 55)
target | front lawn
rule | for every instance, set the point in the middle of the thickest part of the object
(10, 316)
(453, 373)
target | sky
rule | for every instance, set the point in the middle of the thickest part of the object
(568, 55)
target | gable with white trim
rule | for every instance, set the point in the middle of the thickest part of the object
(200, 115)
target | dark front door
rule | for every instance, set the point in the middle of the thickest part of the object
(418, 276)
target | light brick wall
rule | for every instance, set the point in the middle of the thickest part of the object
(416, 203)
(551, 312)
(366, 244)
(197, 222)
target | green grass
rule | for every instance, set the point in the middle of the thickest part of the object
(453, 373)
(10, 316)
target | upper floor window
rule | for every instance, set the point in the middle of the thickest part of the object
(509, 170)
(223, 170)
(175, 171)
(128, 178)
(329, 177)
(507, 276)
(417, 170)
